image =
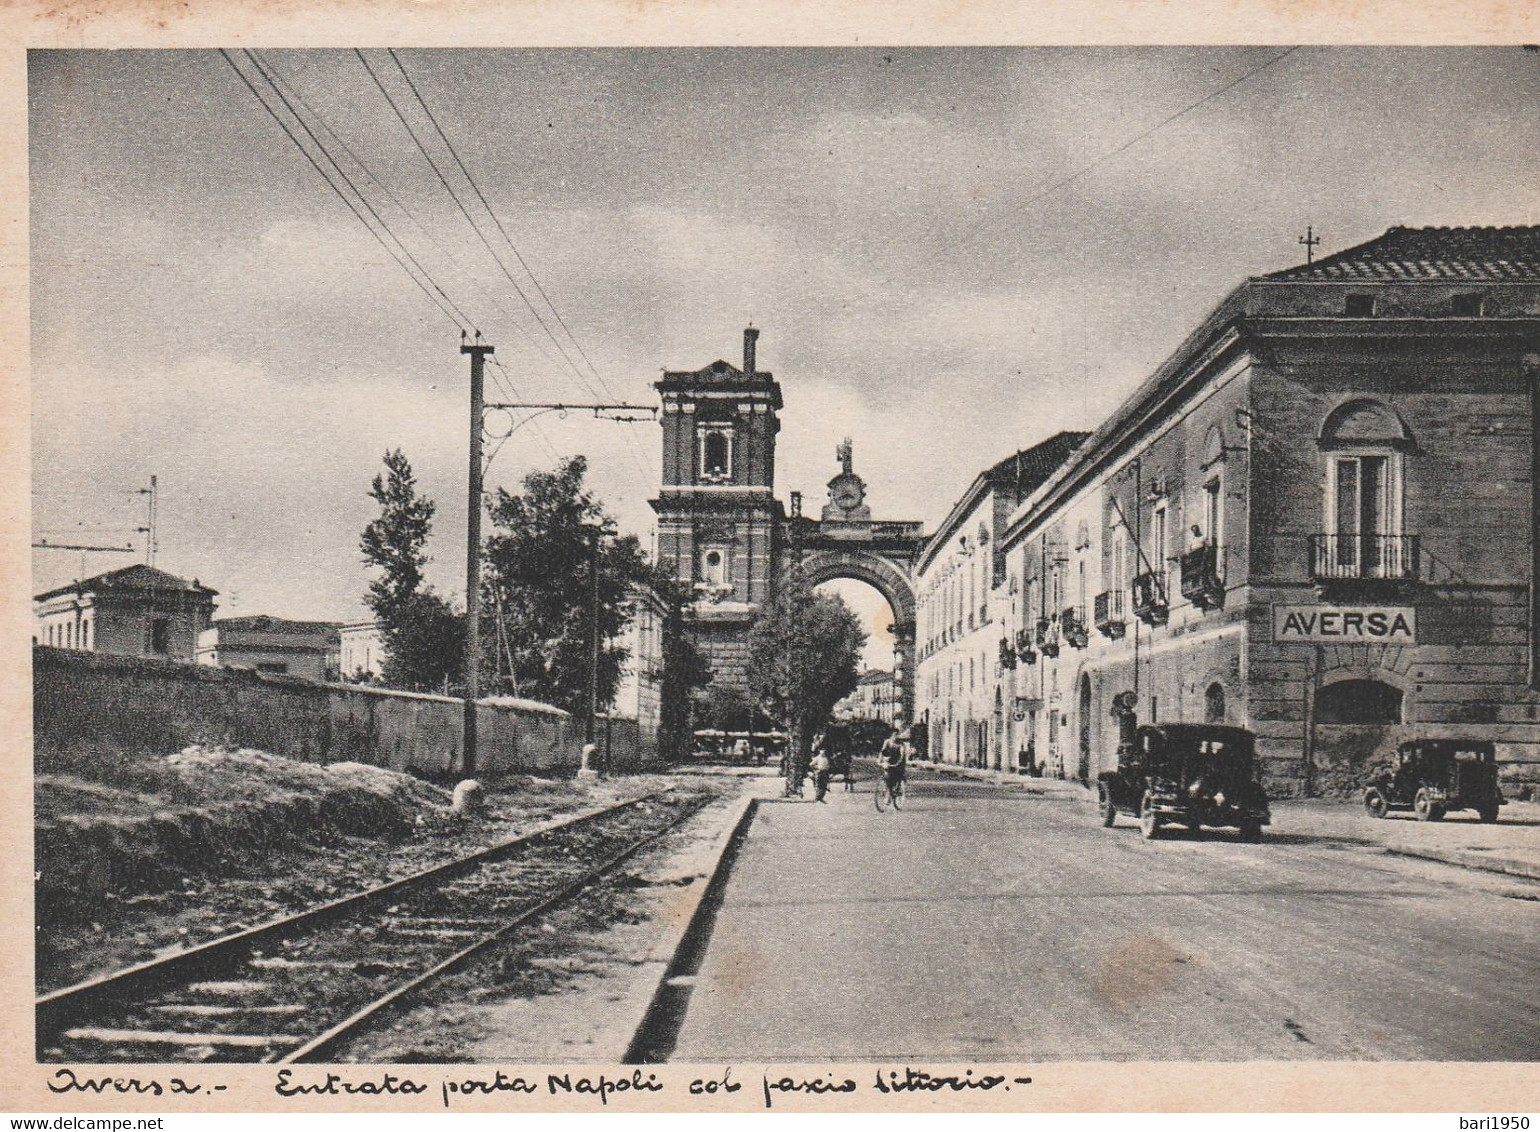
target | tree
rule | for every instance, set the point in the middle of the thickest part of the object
(538, 587)
(421, 631)
(804, 654)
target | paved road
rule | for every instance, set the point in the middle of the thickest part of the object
(1015, 928)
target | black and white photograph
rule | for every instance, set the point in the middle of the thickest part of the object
(915, 563)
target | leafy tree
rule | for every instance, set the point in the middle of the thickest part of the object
(421, 632)
(538, 586)
(804, 656)
(726, 708)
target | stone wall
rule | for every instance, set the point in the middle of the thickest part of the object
(89, 707)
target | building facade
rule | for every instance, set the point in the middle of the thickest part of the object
(639, 695)
(1315, 520)
(876, 697)
(310, 649)
(960, 607)
(135, 611)
(720, 527)
(362, 652)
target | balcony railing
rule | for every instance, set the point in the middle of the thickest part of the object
(1073, 627)
(1359, 557)
(1200, 578)
(1111, 619)
(1024, 648)
(1047, 637)
(1150, 604)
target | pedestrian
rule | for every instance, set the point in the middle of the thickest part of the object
(820, 766)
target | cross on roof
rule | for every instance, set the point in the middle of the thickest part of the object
(1310, 240)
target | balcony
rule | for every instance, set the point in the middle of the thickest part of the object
(1111, 617)
(1150, 604)
(1359, 558)
(1047, 637)
(1072, 627)
(1200, 577)
(1024, 648)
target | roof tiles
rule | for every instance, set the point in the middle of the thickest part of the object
(1472, 255)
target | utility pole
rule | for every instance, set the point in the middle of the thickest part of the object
(589, 729)
(148, 530)
(478, 351)
(1310, 240)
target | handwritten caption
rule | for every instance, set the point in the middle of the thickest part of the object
(594, 1088)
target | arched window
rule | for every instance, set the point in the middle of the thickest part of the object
(1214, 703)
(1358, 701)
(714, 566)
(716, 460)
(1364, 442)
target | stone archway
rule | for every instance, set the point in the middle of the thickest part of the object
(892, 582)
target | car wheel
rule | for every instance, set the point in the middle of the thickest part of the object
(1251, 831)
(1426, 808)
(1375, 803)
(1488, 812)
(1149, 820)
(1104, 804)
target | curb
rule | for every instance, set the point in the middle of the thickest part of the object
(685, 921)
(1469, 859)
(1064, 788)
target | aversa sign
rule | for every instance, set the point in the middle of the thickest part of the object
(1345, 624)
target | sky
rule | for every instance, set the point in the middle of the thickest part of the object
(951, 254)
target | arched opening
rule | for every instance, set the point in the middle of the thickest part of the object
(876, 698)
(1214, 703)
(1363, 702)
(716, 455)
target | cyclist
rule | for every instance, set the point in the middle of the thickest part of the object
(893, 761)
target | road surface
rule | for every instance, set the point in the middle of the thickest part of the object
(986, 924)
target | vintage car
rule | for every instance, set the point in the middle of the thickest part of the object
(1433, 776)
(1188, 773)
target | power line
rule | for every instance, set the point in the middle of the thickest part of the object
(495, 220)
(1106, 157)
(446, 309)
(631, 440)
(448, 188)
(631, 443)
(364, 200)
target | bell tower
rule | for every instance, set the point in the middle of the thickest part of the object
(719, 522)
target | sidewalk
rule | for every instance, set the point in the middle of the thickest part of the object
(1510, 846)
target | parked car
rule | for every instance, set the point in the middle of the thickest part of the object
(1192, 774)
(1433, 776)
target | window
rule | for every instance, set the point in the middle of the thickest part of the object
(1158, 546)
(86, 627)
(273, 667)
(714, 566)
(1359, 306)
(1364, 441)
(1214, 704)
(1469, 306)
(1358, 702)
(1213, 512)
(160, 636)
(716, 459)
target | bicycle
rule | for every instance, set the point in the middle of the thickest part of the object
(885, 794)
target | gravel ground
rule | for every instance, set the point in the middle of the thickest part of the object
(565, 991)
(122, 929)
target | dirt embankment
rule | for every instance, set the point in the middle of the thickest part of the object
(201, 812)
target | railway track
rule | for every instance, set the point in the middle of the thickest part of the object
(297, 988)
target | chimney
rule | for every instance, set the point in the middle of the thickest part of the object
(749, 337)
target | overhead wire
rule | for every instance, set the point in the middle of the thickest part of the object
(272, 74)
(512, 247)
(1084, 170)
(476, 228)
(445, 306)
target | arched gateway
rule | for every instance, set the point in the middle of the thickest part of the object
(722, 531)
